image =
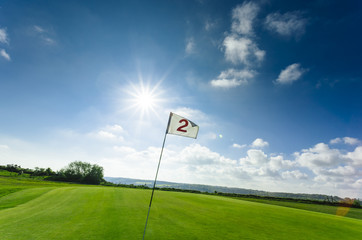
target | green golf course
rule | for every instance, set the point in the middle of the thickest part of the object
(31, 209)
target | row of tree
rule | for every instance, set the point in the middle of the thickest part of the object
(33, 172)
(81, 172)
(346, 202)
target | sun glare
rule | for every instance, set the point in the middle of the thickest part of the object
(144, 99)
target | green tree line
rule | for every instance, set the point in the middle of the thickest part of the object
(77, 171)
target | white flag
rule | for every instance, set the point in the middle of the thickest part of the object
(181, 126)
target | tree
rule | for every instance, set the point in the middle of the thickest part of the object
(82, 172)
(357, 203)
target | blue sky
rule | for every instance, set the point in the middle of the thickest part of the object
(275, 87)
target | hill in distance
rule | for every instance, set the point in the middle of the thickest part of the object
(213, 189)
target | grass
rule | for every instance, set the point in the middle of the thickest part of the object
(341, 211)
(45, 210)
(12, 182)
(28, 188)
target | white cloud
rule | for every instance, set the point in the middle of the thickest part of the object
(105, 135)
(259, 143)
(296, 174)
(320, 156)
(242, 50)
(126, 161)
(332, 168)
(190, 46)
(290, 74)
(225, 83)
(3, 36)
(356, 156)
(335, 141)
(39, 29)
(255, 157)
(351, 141)
(258, 164)
(232, 78)
(195, 115)
(239, 48)
(278, 162)
(44, 34)
(340, 171)
(198, 164)
(115, 128)
(235, 145)
(243, 17)
(49, 41)
(109, 132)
(346, 140)
(124, 149)
(357, 184)
(4, 54)
(287, 24)
(196, 154)
(4, 147)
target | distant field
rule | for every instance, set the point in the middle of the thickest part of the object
(341, 211)
(45, 210)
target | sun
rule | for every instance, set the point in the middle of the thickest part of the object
(144, 99)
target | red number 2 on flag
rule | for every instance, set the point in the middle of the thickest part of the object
(186, 123)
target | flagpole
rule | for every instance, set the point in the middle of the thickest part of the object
(154, 185)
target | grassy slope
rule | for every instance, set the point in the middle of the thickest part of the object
(341, 211)
(64, 211)
(12, 186)
(211, 217)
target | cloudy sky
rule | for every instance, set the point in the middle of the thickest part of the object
(274, 85)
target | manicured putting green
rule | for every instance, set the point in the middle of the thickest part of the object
(119, 213)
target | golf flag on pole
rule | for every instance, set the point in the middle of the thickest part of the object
(181, 126)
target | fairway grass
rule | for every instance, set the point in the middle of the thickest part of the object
(334, 210)
(75, 212)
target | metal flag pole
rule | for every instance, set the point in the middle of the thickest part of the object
(154, 185)
(179, 126)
